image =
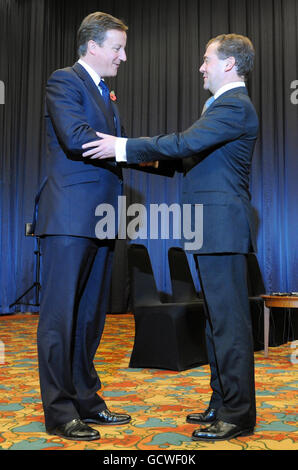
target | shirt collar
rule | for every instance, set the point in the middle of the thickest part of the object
(228, 86)
(95, 77)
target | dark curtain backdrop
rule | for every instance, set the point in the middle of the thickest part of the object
(159, 90)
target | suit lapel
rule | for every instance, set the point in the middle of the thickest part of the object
(92, 88)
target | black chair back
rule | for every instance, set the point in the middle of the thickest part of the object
(181, 278)
(142, 283)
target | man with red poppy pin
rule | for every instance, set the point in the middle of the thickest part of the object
(76, 265)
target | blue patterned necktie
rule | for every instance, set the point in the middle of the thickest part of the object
(208, 103)
(105, 93)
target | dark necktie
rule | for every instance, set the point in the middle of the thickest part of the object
(105, 93)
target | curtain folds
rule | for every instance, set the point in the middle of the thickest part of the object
(159, 90)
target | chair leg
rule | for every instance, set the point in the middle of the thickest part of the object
(266, 329)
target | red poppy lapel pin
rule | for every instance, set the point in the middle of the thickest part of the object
(113, 96)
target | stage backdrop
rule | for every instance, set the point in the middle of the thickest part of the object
(159, 90)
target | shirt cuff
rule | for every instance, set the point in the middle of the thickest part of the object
(120, 149)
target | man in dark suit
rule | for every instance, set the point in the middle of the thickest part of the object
(216, 153)
(76, 265)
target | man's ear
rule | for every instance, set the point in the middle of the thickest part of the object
(91, 46)
(230, 63)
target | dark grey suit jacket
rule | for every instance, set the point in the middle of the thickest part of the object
(216, 153)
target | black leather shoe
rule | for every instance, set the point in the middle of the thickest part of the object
(221, 431)
(75, 430)
(107, 417)
(208, 416)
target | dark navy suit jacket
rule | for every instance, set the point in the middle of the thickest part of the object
(216, 154)
(75, 185)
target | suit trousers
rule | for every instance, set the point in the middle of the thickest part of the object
(76, 275)
(229, 336)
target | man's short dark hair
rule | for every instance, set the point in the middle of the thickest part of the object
(94, 27)
(237, 46)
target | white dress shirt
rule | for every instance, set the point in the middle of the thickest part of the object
(228, 86)
(94, 75)
(120, 146)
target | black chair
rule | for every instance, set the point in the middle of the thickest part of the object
(166, 334)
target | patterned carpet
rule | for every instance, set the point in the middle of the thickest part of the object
(158, 400)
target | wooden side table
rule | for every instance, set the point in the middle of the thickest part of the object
(282, 301)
